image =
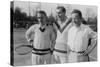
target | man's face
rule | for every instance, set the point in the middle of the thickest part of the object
(40, 18)
(60, 14)
(76, 18)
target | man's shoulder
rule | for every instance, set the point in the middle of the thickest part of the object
(50, 27)
(86, 27)
(68, 19)
(34, 26)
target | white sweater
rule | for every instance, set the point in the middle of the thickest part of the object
(42, 40)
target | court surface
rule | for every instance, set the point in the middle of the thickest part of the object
(24, 60)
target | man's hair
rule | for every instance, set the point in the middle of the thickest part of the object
(78, 12)
(42, 12)
(62, 8)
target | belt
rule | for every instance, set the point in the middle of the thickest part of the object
(78, 51)
(61, 51)
(47, 49)
(41, 51)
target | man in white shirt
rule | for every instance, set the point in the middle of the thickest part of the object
(42, 36)
(62, 26)
(78, 37)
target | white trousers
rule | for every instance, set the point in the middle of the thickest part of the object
(60, 57)
(77, 57)
(70, 58)
(41, 59)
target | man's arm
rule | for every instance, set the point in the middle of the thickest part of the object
(29, 33)
(53, 37)
(93, 36)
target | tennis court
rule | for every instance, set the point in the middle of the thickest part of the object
(24, 60)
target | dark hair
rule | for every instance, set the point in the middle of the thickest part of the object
(62, 8)
(42, 12)
(78, 12)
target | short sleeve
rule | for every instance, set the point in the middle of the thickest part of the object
(92, 34)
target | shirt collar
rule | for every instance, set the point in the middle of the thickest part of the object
(81, 26)
(45, 26)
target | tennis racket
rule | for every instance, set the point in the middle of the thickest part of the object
(23, 49)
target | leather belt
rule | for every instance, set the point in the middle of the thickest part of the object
(61, 51)
(35, 49)
(40, 53)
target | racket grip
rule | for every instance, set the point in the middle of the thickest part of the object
(31, 41)
(52, 51)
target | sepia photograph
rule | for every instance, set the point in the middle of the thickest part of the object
(52, 33)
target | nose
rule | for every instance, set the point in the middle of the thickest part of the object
(59, 15)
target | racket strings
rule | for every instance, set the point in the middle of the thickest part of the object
(23, 49)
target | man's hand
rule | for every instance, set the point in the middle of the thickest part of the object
(86, 52)
(31, 42)
(68, 49)
(52, 46)
(90, 47)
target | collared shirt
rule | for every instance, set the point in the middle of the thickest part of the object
(42, 40)
(78, 37)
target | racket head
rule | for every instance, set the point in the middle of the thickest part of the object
(23, 49)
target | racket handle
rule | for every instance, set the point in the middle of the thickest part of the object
(30, 41)
(52, 51)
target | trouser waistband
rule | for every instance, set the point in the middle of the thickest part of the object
(61, 51)
(41, 51)
(77, 51)
(47, 49)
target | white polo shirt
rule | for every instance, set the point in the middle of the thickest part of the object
(42, 40)
(78, 37)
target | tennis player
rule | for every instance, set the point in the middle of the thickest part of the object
(78, 37)
(62, 26)
(42, 36)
